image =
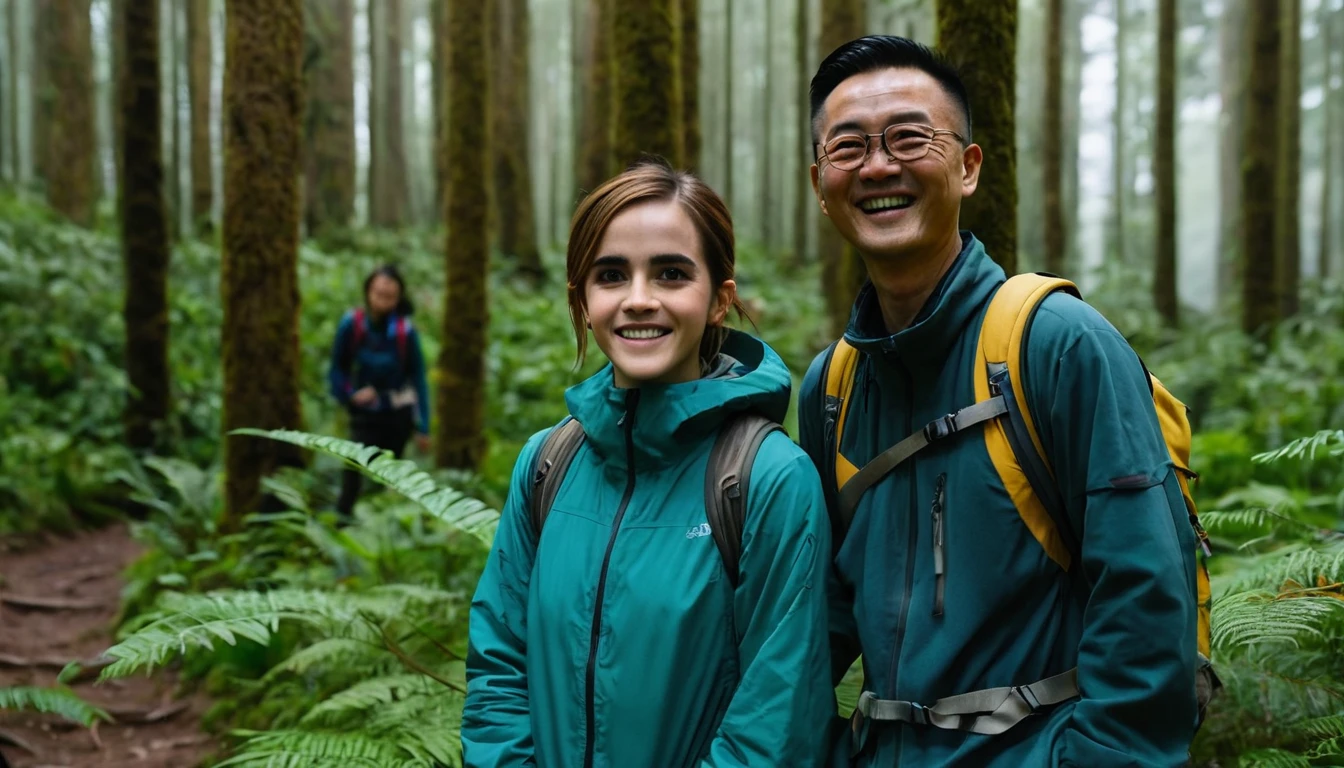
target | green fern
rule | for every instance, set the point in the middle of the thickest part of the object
(1248, 618)
(401, 475)
(1328, 441)
(320, 749)
(1273, 758)
(57, 701)
(359, 699)
(334, 652)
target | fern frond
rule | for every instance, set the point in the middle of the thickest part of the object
(360, 698)
(57, 701)
(333, 652)
(1273, 758)
(426, 726)
(1247, 618)
(320, 749)
(1300, 564)
(1328, 441)
(401, 475)
(188, 622)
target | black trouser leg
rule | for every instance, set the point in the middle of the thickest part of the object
(388, 430)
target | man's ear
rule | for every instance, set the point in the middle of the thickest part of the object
(723, 301)
(816, 188)
(971, 159)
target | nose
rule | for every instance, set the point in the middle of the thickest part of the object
(878, 164)
(640, 298)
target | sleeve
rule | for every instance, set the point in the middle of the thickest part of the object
(1136, 656)
(339, 369)
(420, 380)
(844, 633)
(779, 713)
(496, 725)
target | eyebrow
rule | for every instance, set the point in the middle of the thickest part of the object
(909, 116)
(658, 260)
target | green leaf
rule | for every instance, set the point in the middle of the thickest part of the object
(59, 701)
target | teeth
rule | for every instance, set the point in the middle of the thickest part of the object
(882, 203)
(642, 333)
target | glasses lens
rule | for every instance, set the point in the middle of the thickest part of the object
(908, 141)
(846, 152)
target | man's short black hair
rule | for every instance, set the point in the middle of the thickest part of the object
(874, 52)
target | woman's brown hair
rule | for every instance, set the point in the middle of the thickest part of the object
(651, 179)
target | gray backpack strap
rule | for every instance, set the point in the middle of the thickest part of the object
(726, 479)
(553, 459)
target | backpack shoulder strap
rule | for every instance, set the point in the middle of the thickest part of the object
(1014, 443)
(726, 481)
(357, 328)
(839, 373)
(553, 459)
(403, 330)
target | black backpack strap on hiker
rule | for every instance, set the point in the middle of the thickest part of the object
(553, 459)
(726, 480)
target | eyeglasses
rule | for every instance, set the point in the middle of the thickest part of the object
(905, 142)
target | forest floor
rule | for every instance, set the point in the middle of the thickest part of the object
(58, 599)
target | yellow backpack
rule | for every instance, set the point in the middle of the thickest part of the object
(1013, 442)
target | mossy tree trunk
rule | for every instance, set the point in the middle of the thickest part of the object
(1288, 254)
(71, 144)
(171, 12)
(1330, 138)
(645, 76)
(768, 196)
(1052, 139)
(595, 162)
(690, 83)
(842, 270)
(144, 228)
(329, 127)
(43, 95)
(118, 21)
(516, 219)
(1260, 139)
(460, 438)
(729, 68)
(980, 38)
(13, 117)
(1232, 92)
(263, 104)
(198, 85)
(389, 190)
(1120, 181)
(804, 201)
(1166, 296)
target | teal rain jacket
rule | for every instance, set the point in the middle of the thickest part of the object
(618, 641)
(1011, 615)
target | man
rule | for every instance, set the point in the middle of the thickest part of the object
(938, 579)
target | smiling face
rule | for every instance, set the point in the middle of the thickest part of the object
(383, 295)
(649, 295)
(887, 208)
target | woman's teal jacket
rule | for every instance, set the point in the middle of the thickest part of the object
(615, 639)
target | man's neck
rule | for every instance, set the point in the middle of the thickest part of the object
(904, 284)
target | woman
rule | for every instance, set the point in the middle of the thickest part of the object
(378, 373)
(614, 637)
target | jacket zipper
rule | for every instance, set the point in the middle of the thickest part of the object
(939, 563)
(911, 544)
(590, 680)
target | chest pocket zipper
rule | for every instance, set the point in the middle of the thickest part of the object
(939, 555)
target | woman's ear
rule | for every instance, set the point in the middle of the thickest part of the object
(723, 301)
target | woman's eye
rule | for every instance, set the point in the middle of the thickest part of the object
(673, 273)
(609, 276)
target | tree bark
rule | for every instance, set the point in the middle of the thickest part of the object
(1329, 139)
(1120, 181)
(729, 68)
(842, 270)
(594, 155)
(144, 228)
(388, 182)
(460, 439)
(263, 103)
(645, 76)
(198, 83)
(1288, 258)
(1165, 294)
(516, 219)
(1232, 90)
(71, 144)
(1258, 223)
(172, 147)
(329, 147)
(689, 46)
(39, 82)
(1052, 138)
(979, 37)
(804, 201)
(767, 197)
(118, 83)
(12, 32)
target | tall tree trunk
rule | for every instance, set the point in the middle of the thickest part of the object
(1288, 256)
(172, 147)
(1260, 138)
(767, 197)
(7, 107)
(516, 217)
(595, 162)
(1052, 138)
(645, 68)
(460, 441)
(1329, 139)
(263, 103)
(440, 55)
(388, 181)
(198, 83)
(690, 83)
(804, 202)
(1232, 80)
(1120, 182)
(14, 116)
(118, 83)
(1073, 107)
(144, 228)
(1165, 295)
(72, 183)
(979, 37)
(39, 81)
(329, 155)
(842, 270)
(729, 68)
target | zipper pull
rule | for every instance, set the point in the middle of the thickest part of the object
(939, 560)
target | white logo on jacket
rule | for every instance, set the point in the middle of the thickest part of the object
(698, 531)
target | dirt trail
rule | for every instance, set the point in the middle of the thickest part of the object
(57, 601)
